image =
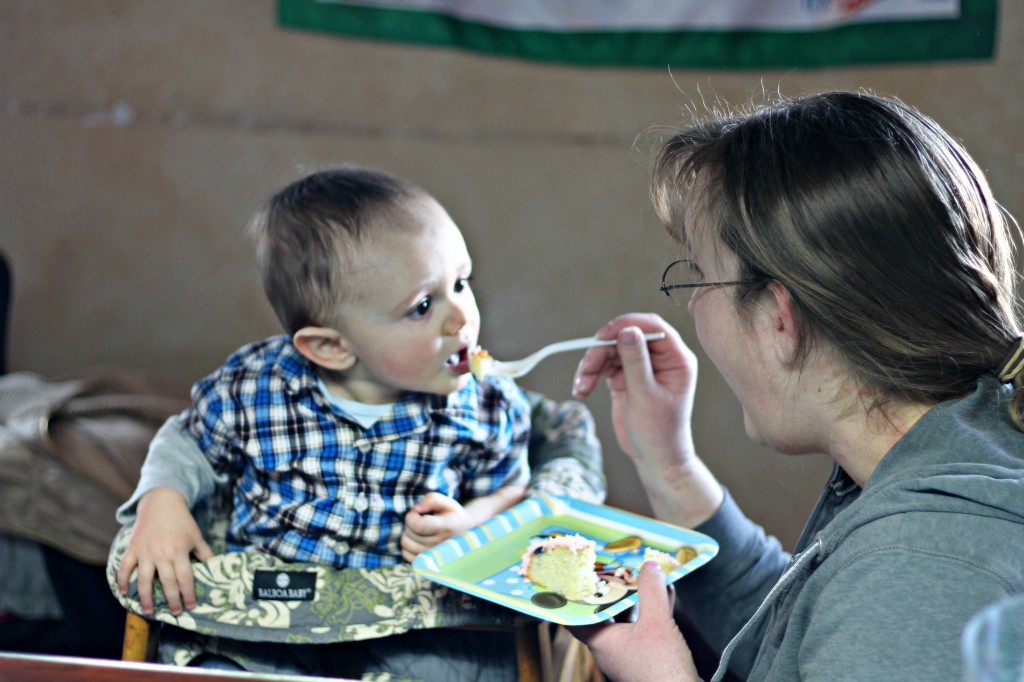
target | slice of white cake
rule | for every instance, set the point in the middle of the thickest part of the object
(480, 362)
(562, 564)
(667, 562)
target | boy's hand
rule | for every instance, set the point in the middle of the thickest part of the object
(433, 520)
(163, 539)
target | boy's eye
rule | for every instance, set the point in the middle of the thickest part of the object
(421, 308)
(461, 284)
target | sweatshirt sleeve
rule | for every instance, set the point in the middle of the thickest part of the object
(721, 596)
(173, 461)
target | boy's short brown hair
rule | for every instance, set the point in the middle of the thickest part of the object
(304, 231)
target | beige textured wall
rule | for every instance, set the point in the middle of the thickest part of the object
(137, 135)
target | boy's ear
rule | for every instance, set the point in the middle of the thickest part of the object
(784, 324)
(324, 347)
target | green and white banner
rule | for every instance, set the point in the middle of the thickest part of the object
(726, 34)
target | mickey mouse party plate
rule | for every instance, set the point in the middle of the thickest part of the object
(485, 560)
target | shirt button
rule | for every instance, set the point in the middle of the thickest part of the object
(361, 503)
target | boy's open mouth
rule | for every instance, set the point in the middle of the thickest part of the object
(459, 362)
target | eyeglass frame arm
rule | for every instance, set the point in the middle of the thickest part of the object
(666, 288)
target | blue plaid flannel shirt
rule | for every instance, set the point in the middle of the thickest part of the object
(309, 484)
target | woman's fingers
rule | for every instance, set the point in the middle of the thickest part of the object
(652, 648)
(607, 361)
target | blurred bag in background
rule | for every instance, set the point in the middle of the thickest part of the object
(70, 453)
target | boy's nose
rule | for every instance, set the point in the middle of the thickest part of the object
(455, 321)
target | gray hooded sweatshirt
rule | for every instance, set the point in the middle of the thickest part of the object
(883, 579)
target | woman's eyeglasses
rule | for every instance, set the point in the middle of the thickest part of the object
(684, 274)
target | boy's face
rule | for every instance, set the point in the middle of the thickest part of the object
(412, 318)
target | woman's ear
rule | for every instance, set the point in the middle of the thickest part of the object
(324, 347)
(784, 324)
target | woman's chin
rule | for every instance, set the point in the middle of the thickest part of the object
(753, 433)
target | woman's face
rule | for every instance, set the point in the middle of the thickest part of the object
(741, 348)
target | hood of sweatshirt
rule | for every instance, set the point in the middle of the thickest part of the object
(963, 456)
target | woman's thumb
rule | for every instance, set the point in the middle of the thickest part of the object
(651, 586)
(636, 362)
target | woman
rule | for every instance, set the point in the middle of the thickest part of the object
(850, 275)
